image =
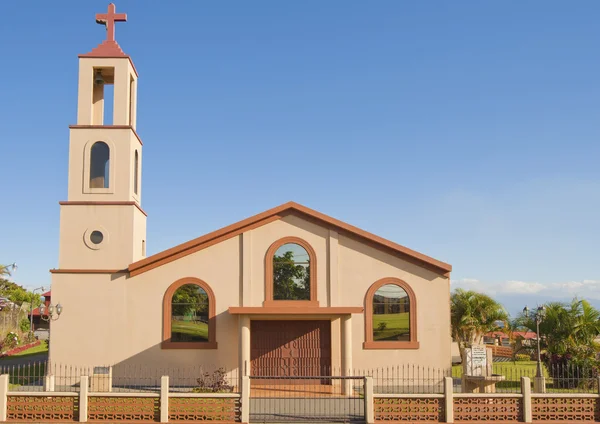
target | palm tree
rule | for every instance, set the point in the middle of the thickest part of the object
(473, 315)
(567, 328)
(6, 270)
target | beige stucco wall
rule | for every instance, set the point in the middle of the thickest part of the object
(119, 320)
(108, 320)
(359, 267)
(122, 143)
(123, 226)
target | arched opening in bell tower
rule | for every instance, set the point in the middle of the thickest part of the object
(99, 165)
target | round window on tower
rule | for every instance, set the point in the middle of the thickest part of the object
(96, 237)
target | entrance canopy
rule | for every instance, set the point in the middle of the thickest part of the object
(286, 310)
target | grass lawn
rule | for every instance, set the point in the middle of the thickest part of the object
(508, 369)
(41, 348)
(513, 371)
(25, 375)
(197, 331)
(394, 325)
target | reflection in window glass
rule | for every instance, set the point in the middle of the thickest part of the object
(291, 273)
(189, 314)
(391, 314)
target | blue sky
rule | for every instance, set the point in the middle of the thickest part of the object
(466, 130)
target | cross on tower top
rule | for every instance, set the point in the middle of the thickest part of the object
(109, 19)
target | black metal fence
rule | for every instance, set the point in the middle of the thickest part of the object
(568, 378)
(307, 399)
(558, 378)
(401, 379)
(120, 378)
(406, 379)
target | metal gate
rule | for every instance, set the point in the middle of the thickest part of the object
(322, 399)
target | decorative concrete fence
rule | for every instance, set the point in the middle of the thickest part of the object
(84, 406)
(168, 406)
(505, 408)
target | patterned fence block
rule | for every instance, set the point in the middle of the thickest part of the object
(409, 409)
(565, 409)
(111, 409)
(42, 408)
(503, 409)
(204, 409)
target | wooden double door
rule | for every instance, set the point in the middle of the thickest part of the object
(290, 348)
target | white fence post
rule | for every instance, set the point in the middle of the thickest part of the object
(3, 396)
(449, 399)
(49, 382)
(83, 398)
(245, 399)
(526, 391)
(164, 399)
(369, 402)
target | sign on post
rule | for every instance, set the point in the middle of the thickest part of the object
(476, 363)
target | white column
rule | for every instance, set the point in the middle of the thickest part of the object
(332, 255)
(346, 322)
(246, 242)
(245, 399)
(449, 399)
(83, 398)
(526, 391)
(369, 402)
(121, 93)
(3, 396)
(164, 399)
(244, 345)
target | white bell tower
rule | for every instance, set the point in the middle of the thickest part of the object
(102, 223)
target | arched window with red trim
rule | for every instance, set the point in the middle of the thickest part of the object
(390, 316)
(189, 320)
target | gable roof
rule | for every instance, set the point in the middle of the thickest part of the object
(274, 214)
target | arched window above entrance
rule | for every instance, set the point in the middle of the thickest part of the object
(390, 316)
(189, 315)
(290, 273)
(100, 165)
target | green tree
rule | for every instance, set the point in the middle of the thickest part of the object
(5, 271)
(473, 315)
(189, 299)
(291, 281)
(18, 294)
(568, 330)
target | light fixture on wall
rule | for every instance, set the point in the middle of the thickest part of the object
(98, 80)
(50, 313)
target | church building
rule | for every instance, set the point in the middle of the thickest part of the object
(288, 292)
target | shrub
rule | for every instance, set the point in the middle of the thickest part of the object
(24, 325)
(522, 357)
(30, 337)
(10, 341)
(214, 383)
(381, 326)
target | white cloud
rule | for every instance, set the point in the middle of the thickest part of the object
(521, 287)
(468, 284)
(587, 289)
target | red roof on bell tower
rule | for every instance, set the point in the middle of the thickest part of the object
(109, 47)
